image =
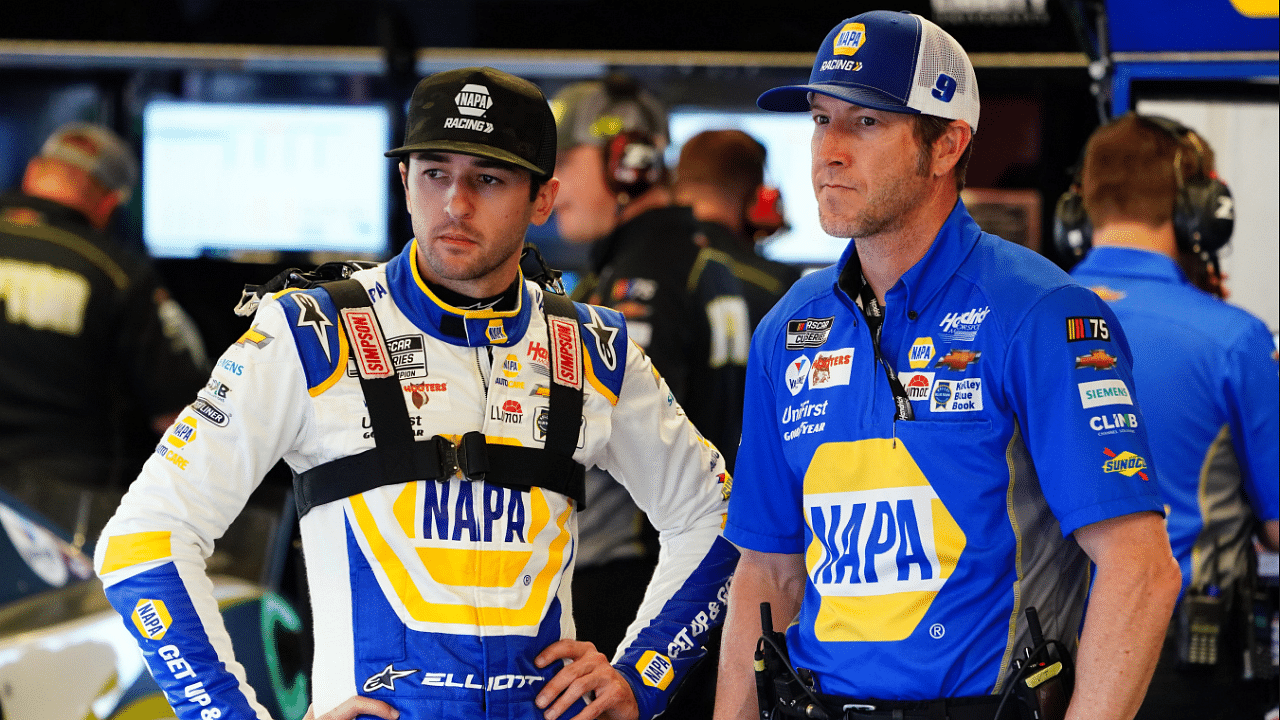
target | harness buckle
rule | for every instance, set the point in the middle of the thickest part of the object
(448, 455)
(469, 456)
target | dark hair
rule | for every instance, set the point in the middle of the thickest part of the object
(536, 181)
(927, 129)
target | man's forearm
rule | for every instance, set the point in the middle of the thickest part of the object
(760, 577)
(1129, 610)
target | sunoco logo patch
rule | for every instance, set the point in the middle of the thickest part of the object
(151, 618)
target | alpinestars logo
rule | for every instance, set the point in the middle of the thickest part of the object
(310, 315)
(473, 101)
(604, 335)
(386, 680)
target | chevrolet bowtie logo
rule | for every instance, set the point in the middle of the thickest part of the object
(386, 680)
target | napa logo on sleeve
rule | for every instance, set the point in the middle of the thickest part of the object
(1104, 392)
(882, 542)
(655, 669)
(152, 619)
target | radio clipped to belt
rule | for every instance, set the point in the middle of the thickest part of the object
(1043, 677)
(783, 691)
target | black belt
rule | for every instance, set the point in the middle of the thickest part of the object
(981, 707)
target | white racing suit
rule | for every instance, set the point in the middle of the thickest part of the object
(432, 596)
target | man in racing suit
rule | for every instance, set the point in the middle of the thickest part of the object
(446, 597)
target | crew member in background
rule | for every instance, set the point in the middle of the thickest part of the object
(90, 339)
(721, 176)
(438, 484)
(683, 306)
(1207, 377)
(900, 537)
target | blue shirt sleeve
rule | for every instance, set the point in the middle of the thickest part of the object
(765, 512)
(1069, 369)
(1253, 406)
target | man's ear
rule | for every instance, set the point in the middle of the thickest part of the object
(545, 201)
(950, 147)
(404, 182)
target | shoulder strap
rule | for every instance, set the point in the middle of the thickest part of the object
(397, 458)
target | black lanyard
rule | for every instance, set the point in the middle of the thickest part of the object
(875, 323)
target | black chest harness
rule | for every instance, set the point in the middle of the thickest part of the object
(397, 458)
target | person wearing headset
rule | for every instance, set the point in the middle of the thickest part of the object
(721, 176)
(1206, 375)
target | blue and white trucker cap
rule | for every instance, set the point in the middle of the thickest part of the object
(893, 61)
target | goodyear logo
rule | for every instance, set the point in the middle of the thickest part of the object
(850, 39)
(882, 542)
(655, 670)
(1126, 463)
(922, 352)
(151, 618)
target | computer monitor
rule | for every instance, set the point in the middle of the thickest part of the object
(785, 137)
(243, 180)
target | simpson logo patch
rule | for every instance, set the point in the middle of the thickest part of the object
(808, 333)
(367, 345)
(566, 346)
(151, 618)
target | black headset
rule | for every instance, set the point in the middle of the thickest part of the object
(1203, 212)
(632, 158)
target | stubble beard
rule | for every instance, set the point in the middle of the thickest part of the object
(488, 258)
(886, 208)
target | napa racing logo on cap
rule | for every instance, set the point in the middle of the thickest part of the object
(151, 618)
(473, 101)
(850, 39)
(798, 374)
(1104, 392)
(1126, 463)
(921, 354)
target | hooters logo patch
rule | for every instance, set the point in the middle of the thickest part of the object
(367, 344)
(566, 351)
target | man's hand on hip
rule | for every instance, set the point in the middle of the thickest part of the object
(588, 671)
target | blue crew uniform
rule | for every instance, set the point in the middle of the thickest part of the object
(925, 539)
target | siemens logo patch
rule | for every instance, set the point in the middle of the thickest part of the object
(1104, 392)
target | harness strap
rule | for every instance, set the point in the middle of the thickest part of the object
(397, 458)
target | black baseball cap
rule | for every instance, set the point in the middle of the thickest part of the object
(484, 112)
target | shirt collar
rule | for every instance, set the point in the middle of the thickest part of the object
(917, 286)
(1131, 262)
(469, 328)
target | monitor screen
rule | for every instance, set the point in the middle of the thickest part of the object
(233, 180)
(785, 137)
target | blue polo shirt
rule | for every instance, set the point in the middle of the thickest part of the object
(1207, 375)
(925, 540)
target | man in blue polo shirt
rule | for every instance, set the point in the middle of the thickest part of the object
(1207, 376)
(917, 465)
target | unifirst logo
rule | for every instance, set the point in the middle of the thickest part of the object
(473, 100)
(151, 618)
(850, 39)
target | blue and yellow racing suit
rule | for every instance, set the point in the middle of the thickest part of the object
(433, 596)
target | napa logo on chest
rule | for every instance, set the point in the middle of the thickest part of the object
(882, 543)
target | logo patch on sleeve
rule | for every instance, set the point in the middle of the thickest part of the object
(831, 368)
(808, 333)
(1126, 463)
(1104, 392)
(151, 618)
(1098, 360)
(655, 670)
(369, 347)
(1087, 328)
